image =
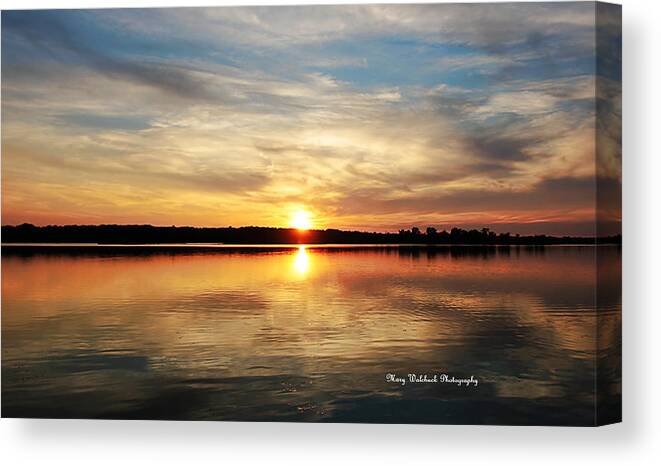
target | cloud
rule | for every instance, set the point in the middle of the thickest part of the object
(235, 115)
(490, 26)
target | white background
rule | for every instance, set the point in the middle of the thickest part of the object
(637, 439)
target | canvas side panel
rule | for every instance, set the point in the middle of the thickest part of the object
(609, 212)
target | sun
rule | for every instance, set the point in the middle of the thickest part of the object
(301, 220)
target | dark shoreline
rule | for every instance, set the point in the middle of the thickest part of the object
(151, 235)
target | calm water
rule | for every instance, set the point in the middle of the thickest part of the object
(306, 334)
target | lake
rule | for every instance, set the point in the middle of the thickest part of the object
(309, 333)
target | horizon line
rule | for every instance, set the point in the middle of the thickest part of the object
(422, 230)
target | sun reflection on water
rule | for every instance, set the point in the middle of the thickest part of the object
(301, 261)
(246, 319)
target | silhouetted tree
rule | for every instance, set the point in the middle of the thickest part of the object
(148, 234)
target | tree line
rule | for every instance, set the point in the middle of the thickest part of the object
(148, 234)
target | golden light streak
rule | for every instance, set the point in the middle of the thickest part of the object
(301, 261)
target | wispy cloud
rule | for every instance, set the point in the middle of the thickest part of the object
(370, 116)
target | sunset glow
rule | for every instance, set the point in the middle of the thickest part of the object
(369, 213)
(380, 117)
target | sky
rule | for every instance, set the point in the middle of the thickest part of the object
(368, 117)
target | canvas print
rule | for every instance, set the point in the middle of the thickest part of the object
(357, 213)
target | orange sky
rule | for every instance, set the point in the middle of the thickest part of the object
(373, 117)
